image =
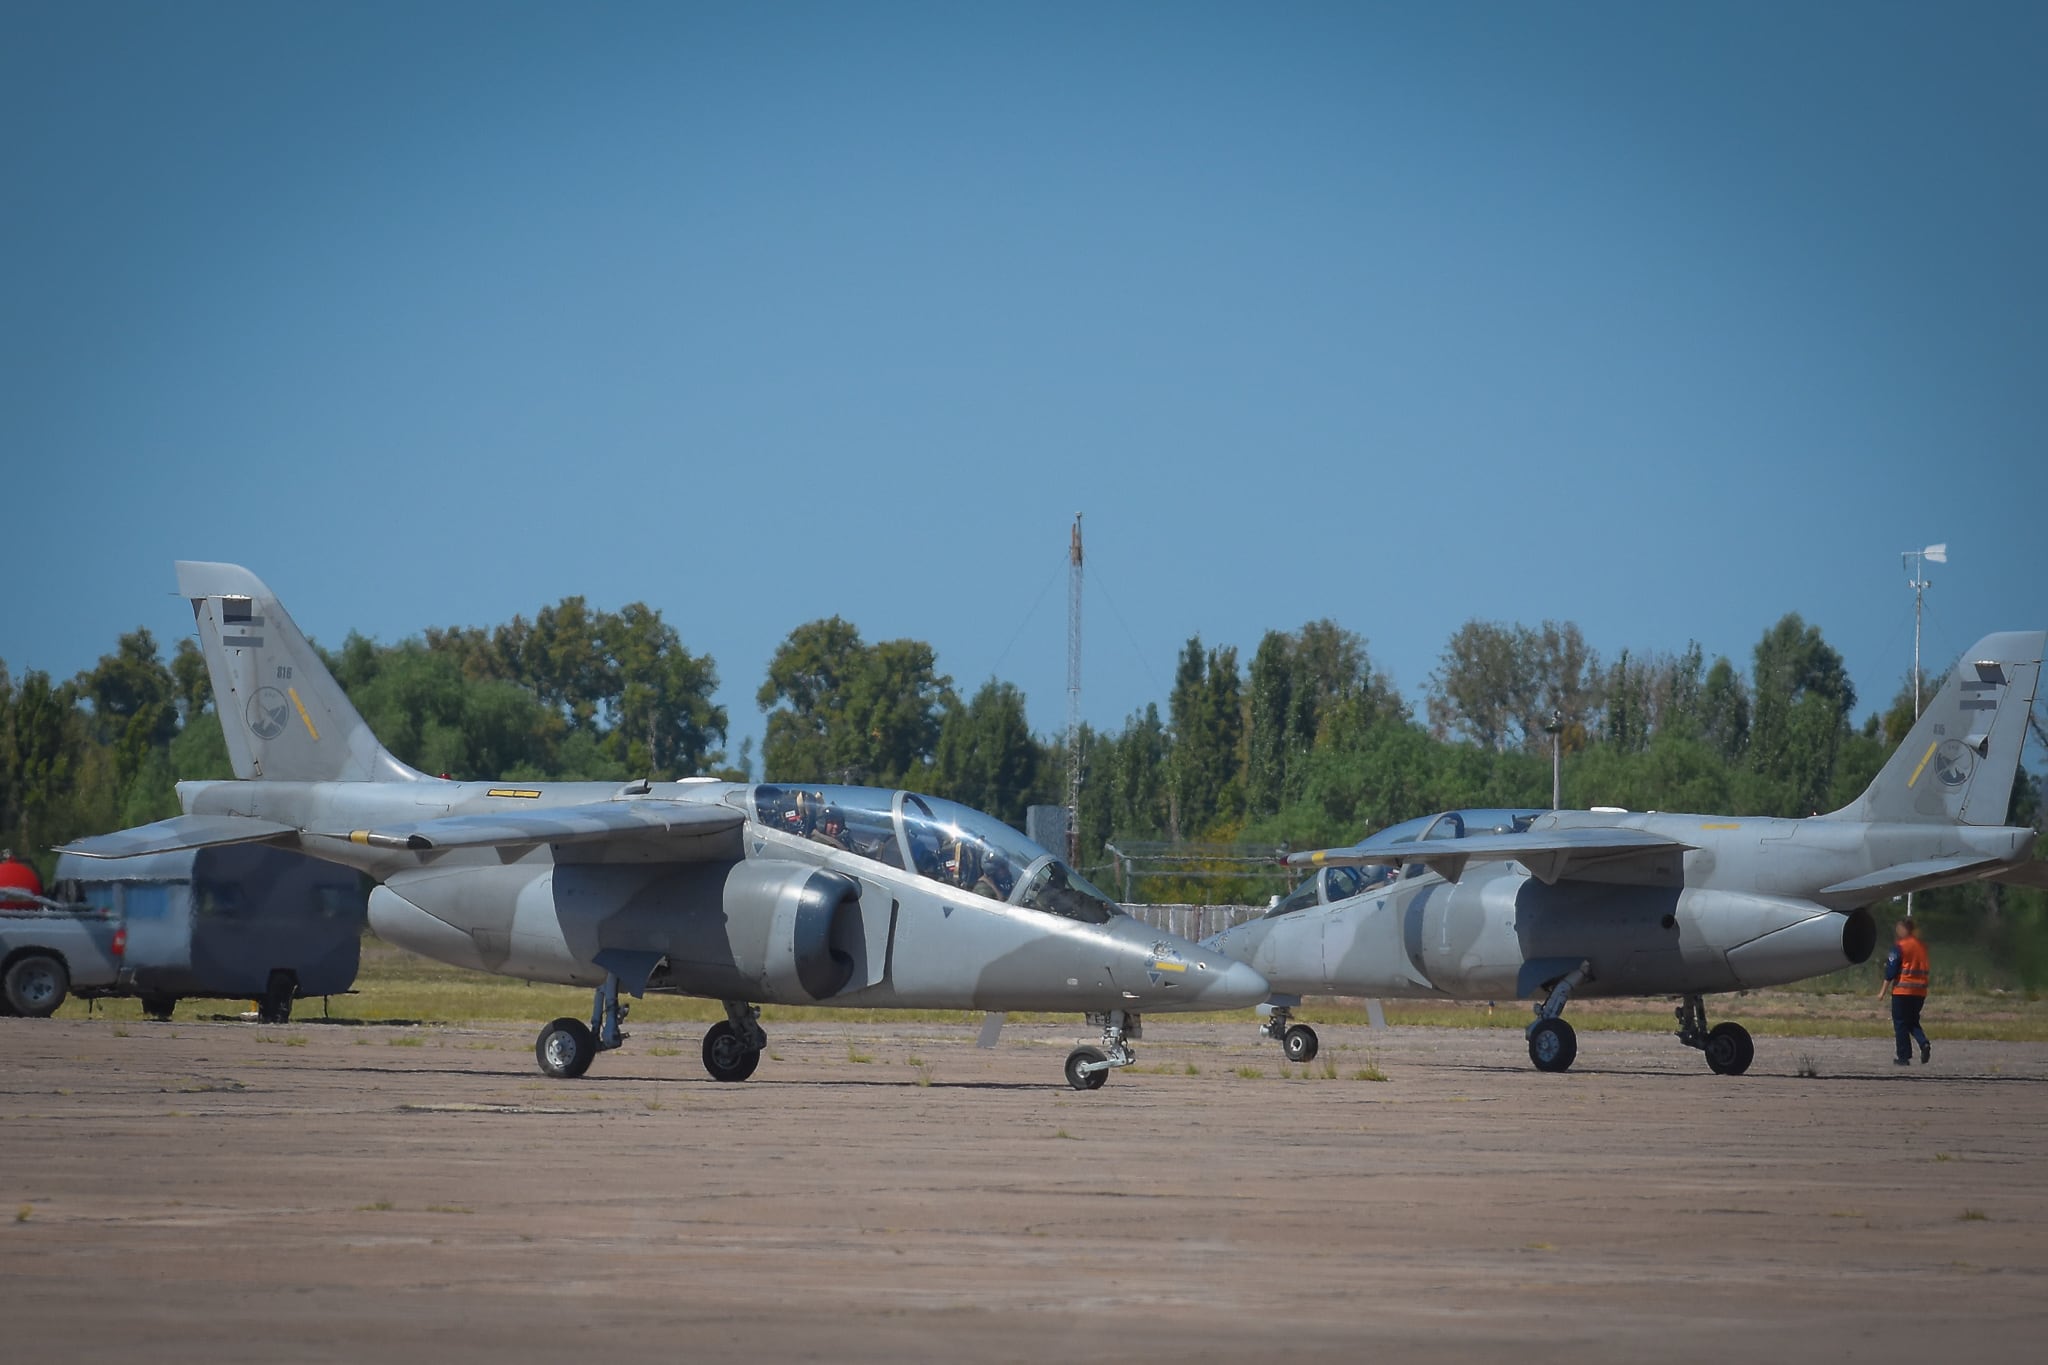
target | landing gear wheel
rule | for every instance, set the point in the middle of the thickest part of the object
(565, 1049)
(1300, 1043)
(1553, 1045)
(159, 1007)
(276, 1005)
(1086, 1080)
(35, 986)
(1729, 1049)
(726, 1054)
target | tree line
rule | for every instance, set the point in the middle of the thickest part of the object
(1310, 744)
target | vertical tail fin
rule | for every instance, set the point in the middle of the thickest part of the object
(282, 713)
(1957, 765)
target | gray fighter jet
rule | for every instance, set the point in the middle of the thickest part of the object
(746, 894)
(1493, 905)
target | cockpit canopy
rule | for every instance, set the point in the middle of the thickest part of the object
(943, 840)
(1331, 884)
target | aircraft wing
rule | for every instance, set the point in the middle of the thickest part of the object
(182, 832)
(1925, 874)
(595, 822)
(1550, 855)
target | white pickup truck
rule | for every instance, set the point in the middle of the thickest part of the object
(51, 949)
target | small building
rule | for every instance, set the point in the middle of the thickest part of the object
(239, 922)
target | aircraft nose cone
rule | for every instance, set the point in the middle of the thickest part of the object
(1234, 986)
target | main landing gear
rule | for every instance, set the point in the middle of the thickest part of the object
(1298, 1041)
(1728, 1046)
(1554, 1044)
(1089, 1067)
(567, 1047)
(733, 1046)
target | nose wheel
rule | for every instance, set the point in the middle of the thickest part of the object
(1297, 1041)
(1089, 1067)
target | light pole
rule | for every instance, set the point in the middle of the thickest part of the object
(1555, 729)
(1916, 562)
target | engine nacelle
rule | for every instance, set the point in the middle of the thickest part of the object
(1825, 943)
(795, 929)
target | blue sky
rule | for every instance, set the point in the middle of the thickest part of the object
(1664, 319)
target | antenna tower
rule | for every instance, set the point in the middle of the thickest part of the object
(1074, 696)
(1916, 562)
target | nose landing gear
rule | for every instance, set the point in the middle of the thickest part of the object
(1728, 1046)
(1297, 1041)
(1088, 1067)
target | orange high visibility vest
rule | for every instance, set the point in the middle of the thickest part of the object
(1912, 968)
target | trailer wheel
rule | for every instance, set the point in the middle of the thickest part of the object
(159, 1007)
(35, 985)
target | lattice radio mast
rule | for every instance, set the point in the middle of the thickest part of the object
(1074, 697)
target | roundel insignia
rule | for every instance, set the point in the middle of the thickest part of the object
(1953, 763)
(267, 712)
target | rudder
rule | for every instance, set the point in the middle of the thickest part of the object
(282, 713)
(1957, 764)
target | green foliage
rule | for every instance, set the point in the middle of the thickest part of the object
(987, 757)
(841, 710)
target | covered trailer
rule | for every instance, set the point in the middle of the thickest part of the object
(243, 922)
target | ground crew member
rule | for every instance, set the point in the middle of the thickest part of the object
(1905, 980)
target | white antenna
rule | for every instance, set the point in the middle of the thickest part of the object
(1916, 562)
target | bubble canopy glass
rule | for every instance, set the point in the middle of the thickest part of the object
(941, 840)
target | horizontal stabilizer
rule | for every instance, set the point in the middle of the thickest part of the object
(1901, 878)
(591, 823)
(1550, 855)
(182, 832)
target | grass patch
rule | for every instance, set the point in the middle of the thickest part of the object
(120, 1032)
(405, 1042)
(1250, 1073)
(1943, 1156)
(1808, 1068)
(1972, 1216)
(448, 1208)
(381, 1206)
(24, 1213)
(1369, 1073)
(854, 1054)
(1064, 1135)
(1192, 1070)
(664, 1052)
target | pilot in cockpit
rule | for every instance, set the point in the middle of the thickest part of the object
(831, 828)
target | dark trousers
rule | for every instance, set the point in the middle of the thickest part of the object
(1906, 1023)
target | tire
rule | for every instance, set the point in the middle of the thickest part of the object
(1553, 1045)
(276, 1005)
(726, 1054)
(1086, 1080)
(1300, 1043)
(35, 985)
(1729, 1049)
(159, 1007)
(565, 1049)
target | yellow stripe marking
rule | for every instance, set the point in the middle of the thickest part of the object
(525, 792)
(361, 836)
(1169, 966)
(302, 713)
(1317, 859)
(1923, 763)
(1726, 826)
